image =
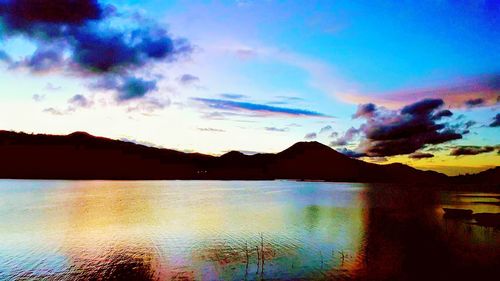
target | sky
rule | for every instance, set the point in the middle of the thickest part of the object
(416, 82)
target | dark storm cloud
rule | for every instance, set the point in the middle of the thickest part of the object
(365, 110)
(474, 102)
(86, 31)
(261, 109)
(422, 107)
(470, 150)
(47, 19)
(126, 88)
(43, 15)
(496, 121)
(388, 133)
(420, 155)
(442, 113)
(104, 52)
(100, 50)
(134, 88)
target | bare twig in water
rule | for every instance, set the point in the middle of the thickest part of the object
(342, 256)
(262, 249)
(246, 253)
(247, 256)
(321, 256)
(258, 258)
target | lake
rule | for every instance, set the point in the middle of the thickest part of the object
(241, 230)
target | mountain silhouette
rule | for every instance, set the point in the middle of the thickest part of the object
(489, 176)
(80, 155)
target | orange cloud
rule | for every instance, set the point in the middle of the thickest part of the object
(485, 88)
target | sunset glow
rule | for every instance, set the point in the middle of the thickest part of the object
(258, 76)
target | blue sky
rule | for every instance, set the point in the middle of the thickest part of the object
(326, 57)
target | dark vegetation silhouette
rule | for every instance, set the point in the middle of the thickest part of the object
(488, 176)
(82, 156)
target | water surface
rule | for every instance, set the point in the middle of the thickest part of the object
(240, 230)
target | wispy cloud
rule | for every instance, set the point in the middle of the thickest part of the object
(54, 111)
(288, 98)
(80, 101)
(51, 87)
(474, 102)
(285, 100)
(256, 109)
(310, 136)
(275, 129)
(213, 130)
(349, 135)
(232, 96)
(38, 98)
(475, 91)
(188, 79)
(325, 129)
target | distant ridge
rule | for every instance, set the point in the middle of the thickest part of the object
(80, 155)
(489, 176)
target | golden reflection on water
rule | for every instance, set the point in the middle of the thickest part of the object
(194, 230)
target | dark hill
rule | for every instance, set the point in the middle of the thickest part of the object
(313, 160)
(82, 156)
(489, 176)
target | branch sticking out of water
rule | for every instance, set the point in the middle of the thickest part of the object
(247, 256)
(321, 256)
(342, 256)
(258, 259)
(262, 249)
